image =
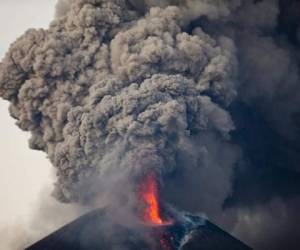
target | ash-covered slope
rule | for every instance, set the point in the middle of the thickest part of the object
(94, 232)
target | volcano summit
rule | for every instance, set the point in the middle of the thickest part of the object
(91, 232)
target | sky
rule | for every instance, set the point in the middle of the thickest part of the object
(19, 188)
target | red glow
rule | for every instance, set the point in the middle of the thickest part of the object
(151, 213)
(149, 194)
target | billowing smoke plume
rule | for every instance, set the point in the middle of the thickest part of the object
(205, 93)
(105, 90)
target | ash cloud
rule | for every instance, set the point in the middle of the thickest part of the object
(254, 223)
(105, 90)
(205, 93)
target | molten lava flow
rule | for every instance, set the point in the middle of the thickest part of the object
(149, 194)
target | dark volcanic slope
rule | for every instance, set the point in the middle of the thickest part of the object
(211, 237)
(93, 232)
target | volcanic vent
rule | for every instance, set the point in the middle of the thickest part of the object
(91, 232)
(95, 230)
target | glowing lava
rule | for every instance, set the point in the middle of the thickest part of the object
(149, 194)
(151, 213)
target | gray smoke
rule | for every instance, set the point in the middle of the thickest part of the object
(105, 91)
(205, 93)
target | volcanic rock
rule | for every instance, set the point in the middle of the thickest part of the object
(91, 232)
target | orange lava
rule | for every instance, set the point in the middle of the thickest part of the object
(149, 194)
(151, 213)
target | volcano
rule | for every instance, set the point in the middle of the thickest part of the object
(94, 232)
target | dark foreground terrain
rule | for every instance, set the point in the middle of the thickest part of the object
(94, 232)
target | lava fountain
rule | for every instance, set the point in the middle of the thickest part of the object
(148, 193)
(151, 210)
